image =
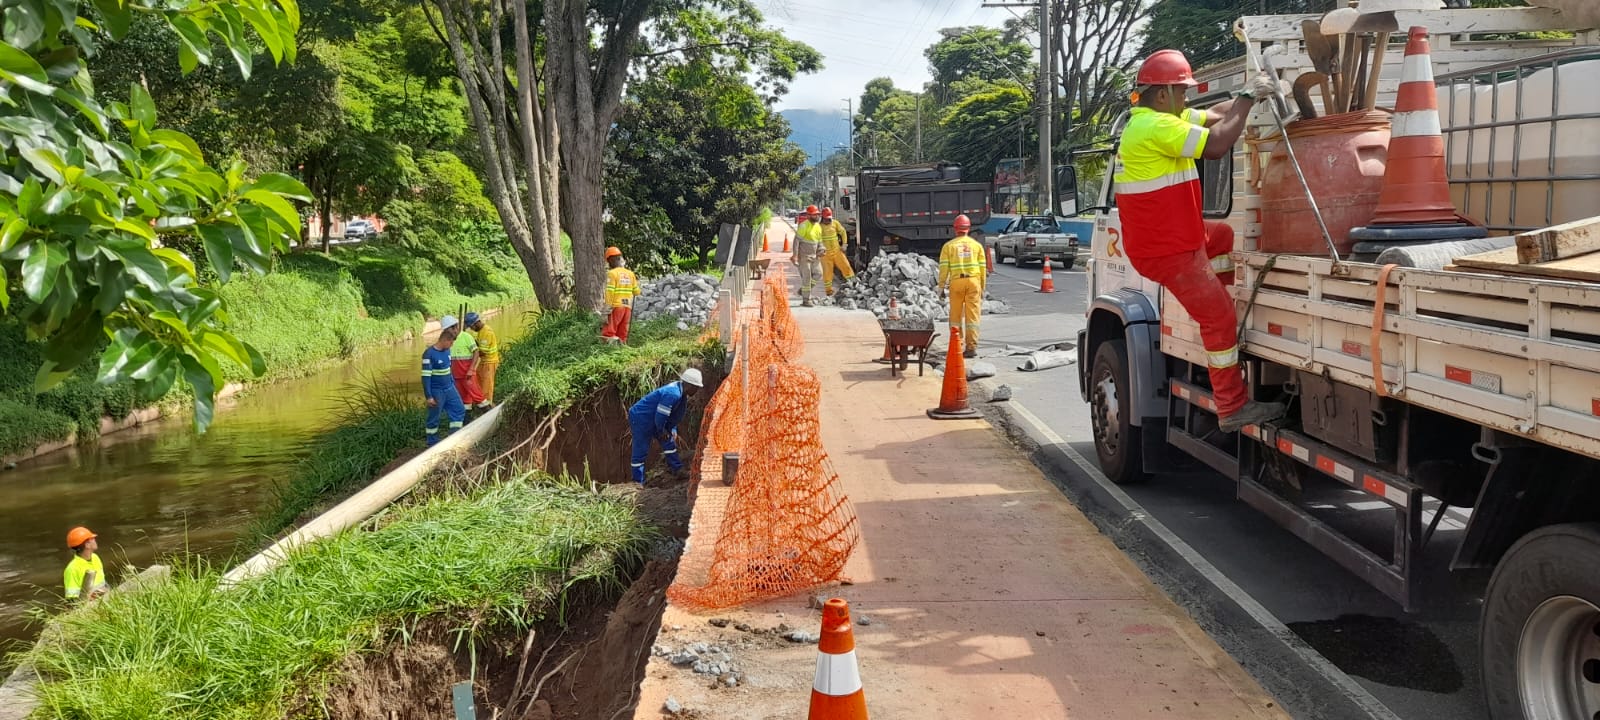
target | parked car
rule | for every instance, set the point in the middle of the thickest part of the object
(359, 229)
(1035, 238)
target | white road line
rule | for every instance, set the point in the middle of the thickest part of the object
(1026, 285)
(1352, 690)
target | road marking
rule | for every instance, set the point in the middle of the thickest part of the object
(1352, 690)
(1026, 285)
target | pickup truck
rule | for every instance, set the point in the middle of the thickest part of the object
(1035, 238)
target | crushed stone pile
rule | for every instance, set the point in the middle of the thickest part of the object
(912, 280)
(689, 298)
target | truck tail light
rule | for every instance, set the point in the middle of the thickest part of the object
(1030, 241)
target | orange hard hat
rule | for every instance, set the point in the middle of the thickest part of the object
(963, 223)
(612, 252)
(1166, 67)
(827, 213)
(78, 536)
(811, 209)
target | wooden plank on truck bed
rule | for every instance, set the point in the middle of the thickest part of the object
(1585, 268)
(1579, 237)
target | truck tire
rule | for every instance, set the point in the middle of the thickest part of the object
(1539, 637)
(1067, 263)
(1117, 441)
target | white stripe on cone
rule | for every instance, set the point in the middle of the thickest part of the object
(837, 675)
(1417, 68)
(1415, 123)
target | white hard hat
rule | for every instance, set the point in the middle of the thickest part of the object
(692, 376)
(447, 322)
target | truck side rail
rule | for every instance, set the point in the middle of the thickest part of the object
(1515, 354)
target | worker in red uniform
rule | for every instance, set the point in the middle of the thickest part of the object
(1164, 236)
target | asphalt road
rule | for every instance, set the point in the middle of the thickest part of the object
(1418, 665)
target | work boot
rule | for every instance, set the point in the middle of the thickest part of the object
(1253, 413)
(970, 353)
(806, 302)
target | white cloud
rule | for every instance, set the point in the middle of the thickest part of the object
(863, 39)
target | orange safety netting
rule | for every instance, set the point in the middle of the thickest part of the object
(788, 525)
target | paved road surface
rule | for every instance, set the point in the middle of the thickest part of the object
(1421, 665)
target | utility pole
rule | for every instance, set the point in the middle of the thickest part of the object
(919, 127)
(850, 124)
(1047, 91)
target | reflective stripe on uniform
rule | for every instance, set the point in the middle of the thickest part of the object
(1223, 358)
(433, 431)
(1165, 181)
(455, 425)
(673, 451)
(1222, 264)
(637, 465)
(664, 409)
(1192, 144)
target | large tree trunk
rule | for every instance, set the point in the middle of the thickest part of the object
(327, 224)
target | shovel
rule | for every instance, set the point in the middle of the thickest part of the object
(1339, 22)
(1302, 92)
(1384, 24)
(1321, 53)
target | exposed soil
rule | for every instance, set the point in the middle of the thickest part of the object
(586, 661)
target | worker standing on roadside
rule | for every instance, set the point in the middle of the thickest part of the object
(437, 384)
(1163, 235)
(464, 361)
(85, 576)
(963, 265)
(807, 243)
(488, 357)
(655, 418)
(622, 286)
(833, 238)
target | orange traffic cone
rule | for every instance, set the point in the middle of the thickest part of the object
(764, 240)
(1048, 283)
(786, 243)
(991, 258)
(836, 692)
(953, 396)
(1414, 186)
(894, 314)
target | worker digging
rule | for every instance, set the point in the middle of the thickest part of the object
(1164, 236)
(654, 420)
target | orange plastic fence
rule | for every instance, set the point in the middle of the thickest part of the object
(787, 525)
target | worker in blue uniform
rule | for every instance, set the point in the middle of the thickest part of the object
(437, 384)
(655, 418)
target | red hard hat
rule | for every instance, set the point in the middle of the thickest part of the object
(811, 209)
(78, 536)
(827, 213)
(963, 223)
(1166, 67)
(612, 252)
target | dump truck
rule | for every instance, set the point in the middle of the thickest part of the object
(909, 208)
(1435, 394)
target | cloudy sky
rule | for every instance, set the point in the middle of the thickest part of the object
(864, 39)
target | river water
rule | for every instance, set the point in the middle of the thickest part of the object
(161, 488)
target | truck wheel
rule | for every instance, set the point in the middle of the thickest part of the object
(1067, 263)
(1116, 440)
(1540, 632)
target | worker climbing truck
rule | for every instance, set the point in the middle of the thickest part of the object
(1437, 392)
(909, 208)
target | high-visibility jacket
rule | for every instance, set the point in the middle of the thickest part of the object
(1158, 186)
(463, 347)
(488, 344)
(809, 231)
(660, 410)
(436, 380)
(73, 577)
(832, 235)
(621, 287)
(962, 257)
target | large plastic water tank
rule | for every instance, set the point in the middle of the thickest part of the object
(1343, 158)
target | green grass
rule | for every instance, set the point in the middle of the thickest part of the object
(183, 649)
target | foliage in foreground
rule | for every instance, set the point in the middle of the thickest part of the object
(186, 649)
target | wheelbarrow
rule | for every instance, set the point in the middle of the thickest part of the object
(758, 268)
(906, 339)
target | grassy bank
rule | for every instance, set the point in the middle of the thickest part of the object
(312, 309)
(558, 362)
(503, 555)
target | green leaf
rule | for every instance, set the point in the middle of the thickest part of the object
(179, 143)
(204, 375)
(171, 320)
(228, 346)
(24, 24)
(49, 376)
(137, 228)
(142, 264)
(166, 376)
(39, 271)
(258, 364)
(13, 230)
(267, 27)
(279, 207)
(141, 106)
(219, 249)
(192, 36)
(175, 258)
(283, 185)
(5, 293)
(59, 200)
(149, 360)
(46, 161)
(31, 196)
(116, 15)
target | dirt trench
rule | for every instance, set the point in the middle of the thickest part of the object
(583, 663)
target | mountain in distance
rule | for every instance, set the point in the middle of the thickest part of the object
(808, 128)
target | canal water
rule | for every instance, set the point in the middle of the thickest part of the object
(161, 488)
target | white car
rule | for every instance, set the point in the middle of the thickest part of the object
(359, 229)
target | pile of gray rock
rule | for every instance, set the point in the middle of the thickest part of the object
(911, 280)
(688, 298)
(703, 659)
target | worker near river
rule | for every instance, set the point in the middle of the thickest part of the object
(963, 276)
(833, 238)
(464, 361)
(622, 286)
(85, 576)
(437, 384)
(655, 418)
(1163, 233)
(488, 357)
(807, 242)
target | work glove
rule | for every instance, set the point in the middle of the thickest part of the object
(1261, 87)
